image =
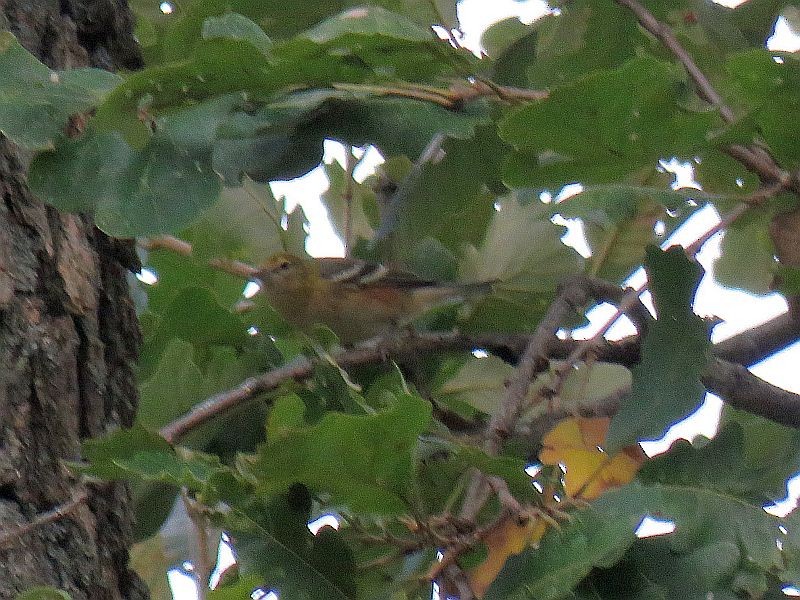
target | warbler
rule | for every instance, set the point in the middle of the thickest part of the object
(357, 300)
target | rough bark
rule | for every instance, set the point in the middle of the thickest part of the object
(68, 342)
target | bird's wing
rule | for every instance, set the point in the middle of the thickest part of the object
(363, 273)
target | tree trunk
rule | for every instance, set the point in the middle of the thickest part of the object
(69, 340)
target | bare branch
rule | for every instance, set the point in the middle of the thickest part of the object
(759, 342)
(741, 389)
(745, 348)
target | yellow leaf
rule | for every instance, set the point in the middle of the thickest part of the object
(509, 538)
(577, 445)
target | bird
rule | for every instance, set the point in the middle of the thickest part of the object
(356, 299)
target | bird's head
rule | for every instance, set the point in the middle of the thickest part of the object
(284, 271)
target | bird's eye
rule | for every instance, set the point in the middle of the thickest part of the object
(284, 265)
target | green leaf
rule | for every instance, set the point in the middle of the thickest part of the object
(586, 37)
(241, 590)
(769, 91)
(177, 273)
(652, 570)
(522, 251)
(158, 189)
(103, 454)
(619, 222)
(35, 101)
(363, 461)
(596, 537)
(456, 189)
(787, 280)
(480, 383)
(771, 452)
(273, 541)
(281, 20)
(218, 66)
(140, 454)
(604, 126)
(246, 225)
(175, 386)
(731, 463)
(666, 382)
(747, 254)
(510, 45)
(369, 20)
(237, 27)
(180, 380)
(268, 157)
(398, 125)
(196, 316)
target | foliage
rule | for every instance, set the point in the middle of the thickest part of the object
(242, 93)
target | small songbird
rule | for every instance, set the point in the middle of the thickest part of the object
(357, 300)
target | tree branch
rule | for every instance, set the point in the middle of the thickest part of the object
(733, 383)
(757, 343)
(178, 246)
(664, 34)
(745, 348)
(741, 389)
(755, 158)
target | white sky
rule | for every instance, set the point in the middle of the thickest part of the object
(739, 310)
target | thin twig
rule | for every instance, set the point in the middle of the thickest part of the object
(755, 158)
(535, 359)
(184, 248)
(347, 196)
(18, 533)
(452, 98)
(664, 34)
(199, 521)
(394, 208)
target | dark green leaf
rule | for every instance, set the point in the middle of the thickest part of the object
(522, 251)
(237, 27)
(737, 537)
(619, 222)
(666, 383)
(747, 253)
(241, 590)
(613, 122)
(246, 225)
(273, 540)
(196, 316)
(737, 461)
(587, 36)
(369, 20)
(35, 102)
(364, 462)
(157, 189)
